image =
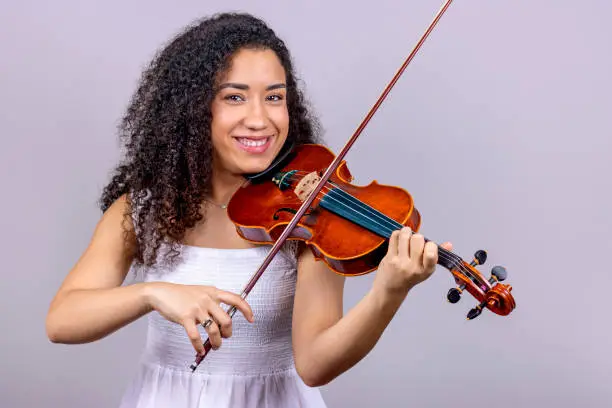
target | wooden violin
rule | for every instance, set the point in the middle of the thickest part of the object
(307, 195)
(348, 226)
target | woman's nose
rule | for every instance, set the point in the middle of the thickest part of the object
(255, 116)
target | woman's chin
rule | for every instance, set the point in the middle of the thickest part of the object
(253, 166)
(256, 163)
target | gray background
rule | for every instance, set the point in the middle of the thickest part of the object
(500, 129)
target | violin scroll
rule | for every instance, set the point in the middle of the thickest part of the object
(491, 293)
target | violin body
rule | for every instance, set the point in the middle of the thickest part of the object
(261, 211)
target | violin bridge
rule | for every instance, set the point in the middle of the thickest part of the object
(306, 185)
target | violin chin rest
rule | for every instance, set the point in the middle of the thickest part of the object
(282, 158)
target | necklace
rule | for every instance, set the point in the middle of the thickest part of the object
(222, 206)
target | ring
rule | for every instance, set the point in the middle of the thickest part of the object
(207, 323)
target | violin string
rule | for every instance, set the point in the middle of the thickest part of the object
(444, 254)
(455, 261)
(388, 224)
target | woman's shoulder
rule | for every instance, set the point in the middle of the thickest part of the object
(116, 213)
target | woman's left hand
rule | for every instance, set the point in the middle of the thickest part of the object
(408, 262)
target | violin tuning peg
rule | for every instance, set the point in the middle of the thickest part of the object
(480, 257)
(454, 294)
(498, 273)
(474, 313)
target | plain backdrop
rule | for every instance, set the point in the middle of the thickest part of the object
(500, 129)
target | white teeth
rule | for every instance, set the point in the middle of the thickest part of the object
(253, 143)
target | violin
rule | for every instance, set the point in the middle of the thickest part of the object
(348, 226)
(306, 195)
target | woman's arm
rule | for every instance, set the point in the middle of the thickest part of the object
(91, 303)
(326, 343)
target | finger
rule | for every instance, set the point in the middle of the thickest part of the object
(393, 243)
(223, 320)
(447, 245)
(194, 336)
(430, 256)
(404, 242)
(417, 243)
(233, 299)
(214, 334)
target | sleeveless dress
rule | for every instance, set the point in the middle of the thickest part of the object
(253, 369)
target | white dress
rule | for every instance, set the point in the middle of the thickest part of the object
(253, 369)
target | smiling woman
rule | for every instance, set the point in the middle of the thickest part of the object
(219, 102)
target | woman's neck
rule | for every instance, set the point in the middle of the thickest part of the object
(224, 185)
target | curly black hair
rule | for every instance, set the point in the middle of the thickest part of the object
(166, 130)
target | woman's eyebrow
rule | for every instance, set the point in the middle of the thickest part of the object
(246, 87)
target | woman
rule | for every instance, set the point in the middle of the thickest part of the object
(220, 101)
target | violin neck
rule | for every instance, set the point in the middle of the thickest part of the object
(351, 208)
(448, 259)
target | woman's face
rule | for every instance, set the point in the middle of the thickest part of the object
(250, 120)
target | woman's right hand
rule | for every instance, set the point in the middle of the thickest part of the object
(191, 305)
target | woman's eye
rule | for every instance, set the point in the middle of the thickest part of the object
(275, 98)
(233, 98)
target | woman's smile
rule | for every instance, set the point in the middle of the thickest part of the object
(251, 144)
